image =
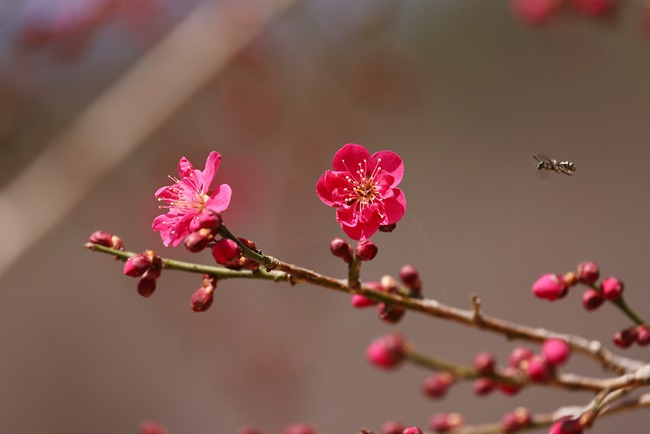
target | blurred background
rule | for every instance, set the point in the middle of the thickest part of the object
(100, 98)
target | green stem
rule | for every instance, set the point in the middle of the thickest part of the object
(219, 272)
(627, 310)
(354, 270)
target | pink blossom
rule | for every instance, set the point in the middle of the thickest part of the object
(363, 190)
(188, 197)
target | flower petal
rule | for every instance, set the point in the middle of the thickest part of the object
(331, 188)
(394, 207)
(220, 198)
(184, 167)
(390, 163)
(349, 157)
(211, 167)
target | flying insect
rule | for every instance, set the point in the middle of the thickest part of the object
(550, 165)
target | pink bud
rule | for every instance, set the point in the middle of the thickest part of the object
(412, 430)
(443, 422)
(102, 238)
(538, 369)
(484, 363)
(366, 250)
(612, 288)
(387, 351)
(300, 428)
(392, 427)
(197, 241)
(226, 251)
(202, 298)
(594, 8)
(137, 265)
(509, 423)
(409, 275)
(151, 427)
(359, 301)
(209, 219)
(642, 335)
(588, 272)
(566, 425)
(483, 386)
(535, 11)
(510, 389)
(341, 249)
(519, 355)
(146, 286)
(592, 299)
(387, 228)
(550, 287)
(556, 351)
(436, 385)
(624, 338)
(390, 313)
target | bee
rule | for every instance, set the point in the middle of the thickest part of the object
(566, 167)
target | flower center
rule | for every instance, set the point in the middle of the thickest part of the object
(185, 197)
(364, 188)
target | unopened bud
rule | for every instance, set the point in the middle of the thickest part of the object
(102, 238)
(137, 265)
(612, 288)
(202, 298)
(483, 386)
(484, 363)
(642, 335)
(556, 351)
(387, 351)
(436, 385)
(624, 338)
(197, 241)
(387, 228)
(412, 430)
(392, 427)
(146, 286)
(341, 249)
(592, 299)
(443, 422)
(519, 355)
(538, 369)
(209, 219)
(550, 287)
(588, 272)
(391, 313)
(151, 427)
(366, 250)
(226, 251)
(566, 425)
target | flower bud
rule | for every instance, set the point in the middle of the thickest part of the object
(226, 251)
(151, 427)
(392, 427)
(507, 388)
(588, 272)
(550, 287)
(197, 241)
(202, 298)
(387, 228)
(341, 249)
(612, 288)
(593, 8)
(359, 301)
(538, 369)
(556, 351)
(137, 265)
(515, 420)
(642, 335)
(443, 422)
(534, 12)
(300, 428)
(102, 238)
(483, 386)
(484, 363)
(411, 279)
(208, 219)
(366, 250)
(519, 355)
(412, 430)
(390, 313)
(624, 338)
(387, 351)
(592, 299)
(436, 385)
(146, 285)
(566, 425)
